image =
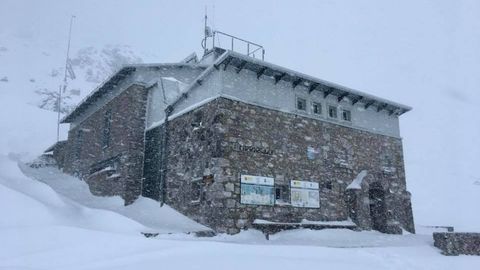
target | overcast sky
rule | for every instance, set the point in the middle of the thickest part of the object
(369, 45)
(425, 54)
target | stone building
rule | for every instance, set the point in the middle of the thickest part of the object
(230, 139)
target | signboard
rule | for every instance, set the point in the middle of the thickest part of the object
(252, 149)
(256, 180)
(304, 184)
(257, 190)
(305, 194)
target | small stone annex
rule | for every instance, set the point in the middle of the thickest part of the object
(230, 140)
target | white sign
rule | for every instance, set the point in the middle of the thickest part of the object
(257, 194)
(257, 180)
(257, 190)
(304, 184)
(304, 194)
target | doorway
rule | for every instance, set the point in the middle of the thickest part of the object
(378, 213)
(151, 164)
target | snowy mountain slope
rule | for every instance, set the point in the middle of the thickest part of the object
(37, 68)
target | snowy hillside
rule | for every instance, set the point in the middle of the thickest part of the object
(37, 68)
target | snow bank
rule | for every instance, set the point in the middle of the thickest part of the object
(34, 204)
(144, 210)
(357, 182)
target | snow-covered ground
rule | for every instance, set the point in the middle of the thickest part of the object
(56, 224)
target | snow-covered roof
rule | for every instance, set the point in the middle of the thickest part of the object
(225, 58)
(263, 68)
(113, 81)
(55, 145)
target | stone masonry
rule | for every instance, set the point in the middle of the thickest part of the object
(224, 139)
(89, 156)
(454, 244)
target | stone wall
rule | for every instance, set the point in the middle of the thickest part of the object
(88, 156)
(458, 243)
(227, 138)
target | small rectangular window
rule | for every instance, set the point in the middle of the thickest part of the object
(301, 104)
(107, 125)
(332, 111)
(78, 144)
(282, 194)
(346, 115)
(327, 185)
(317, 108)
(196, 191)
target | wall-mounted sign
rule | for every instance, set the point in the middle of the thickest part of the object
(304, 184)
(257, 180)
(305, 194)
(312, 153)
(252, 149)
(257, 190)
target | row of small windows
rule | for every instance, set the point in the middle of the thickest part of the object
(346, 115)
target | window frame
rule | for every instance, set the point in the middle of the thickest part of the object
(349, 114)
(196, 182)
(313, 108)
(283, 192)
(79, 140)
(297, 98)
(107, 129)
(336, 111)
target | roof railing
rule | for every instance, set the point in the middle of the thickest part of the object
(252, 47)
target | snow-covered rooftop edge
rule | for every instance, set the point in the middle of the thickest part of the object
(214, 66)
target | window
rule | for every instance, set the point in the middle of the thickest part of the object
(317, 108)
(107, 124)
(346, 115)
(327, 185)
(196, 192)
(387, 160)
(301, 104)
(332, 111)
(79, 143)
(282, 194)
(106, 170)
(197, 119)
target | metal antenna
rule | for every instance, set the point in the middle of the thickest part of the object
(206, 34)
(64, 87)
(204, 41)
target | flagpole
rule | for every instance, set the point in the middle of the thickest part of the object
(64, 79)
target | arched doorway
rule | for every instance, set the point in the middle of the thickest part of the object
(378, 213)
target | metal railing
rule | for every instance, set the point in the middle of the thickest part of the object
(252, 48)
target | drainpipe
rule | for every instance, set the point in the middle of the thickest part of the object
(164, 159)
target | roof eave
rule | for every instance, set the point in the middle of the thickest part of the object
(398, 108)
